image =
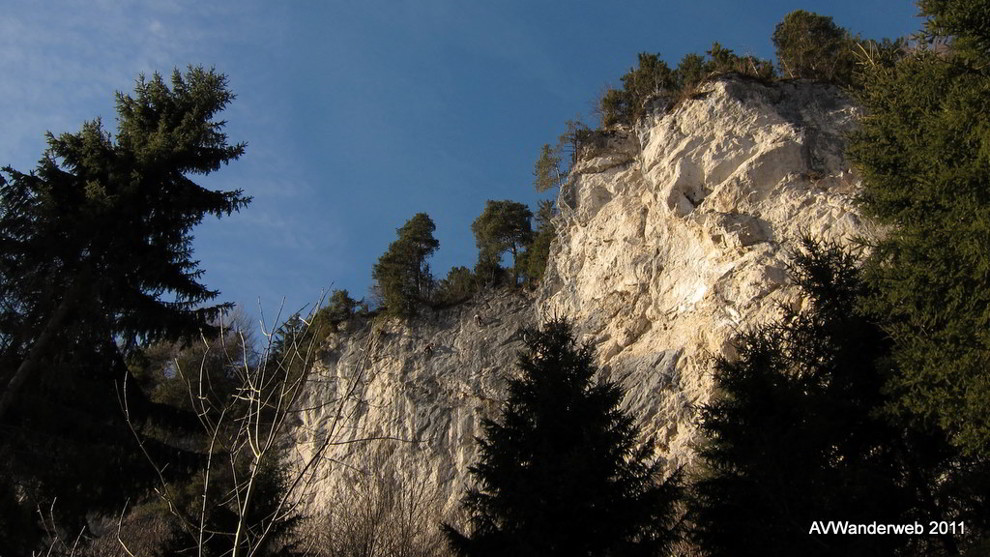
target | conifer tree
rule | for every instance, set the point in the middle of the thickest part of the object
(812, 46)
(342, 306)
(459, 285)
(797, 433)
(562, 473)
(402, 274)
(546, 171)
(96, 260)
(502, 226)
(651, 79)
(538, 251)
(691, 70)
(102, 228)
(923, 153)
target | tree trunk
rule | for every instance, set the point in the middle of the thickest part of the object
(515, 267)
(34, 356)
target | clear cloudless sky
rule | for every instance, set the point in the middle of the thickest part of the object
(359, 114)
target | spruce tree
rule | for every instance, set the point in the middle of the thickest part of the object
(922, 150)
(796, 433)
(562, 471)
(102, 229)
(95, 261)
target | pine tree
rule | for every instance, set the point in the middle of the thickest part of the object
(341, 306)
(546, 171)
(562, 472)
(503, 226)
(691, 71)
(459, 285)
(538, 250)
(402, 274)
(812, 46)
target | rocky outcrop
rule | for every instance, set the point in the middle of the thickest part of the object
(410, 395)
(665, 258)
(671, 241)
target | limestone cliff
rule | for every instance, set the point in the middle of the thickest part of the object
(671, 240)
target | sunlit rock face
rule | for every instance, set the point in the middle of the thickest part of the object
(671, 240)
(407, 398)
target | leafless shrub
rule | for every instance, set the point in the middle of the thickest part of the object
(247, 497)
(377, 514)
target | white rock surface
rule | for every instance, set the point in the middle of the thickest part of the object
(669, 244)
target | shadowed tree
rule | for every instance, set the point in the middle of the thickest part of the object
(923, 153)
(103, 225)
(534, 260)
(562, 471)
(95, 260)
(796, 434)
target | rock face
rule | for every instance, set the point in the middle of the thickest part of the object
(410, 396)
(671, 240)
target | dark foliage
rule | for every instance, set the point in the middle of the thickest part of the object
(653, 85)
(812, 46)
(966, 21)
(216, 384)
(504, 226)
(534, 259)
(923, 154)
(95, 260)
(796, 434)
(562, 472)
(459, 285)
(340, 307)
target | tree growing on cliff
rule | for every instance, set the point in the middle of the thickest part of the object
(562, 472)
(402, 274)
(923, 153)
(503, 226)
(459, 285)
(726, 61)
(534, 260)
(653, 80)
(341, 306)
(546, 172)
(640, 85)
(812, 46)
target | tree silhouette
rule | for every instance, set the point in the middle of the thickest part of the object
(562, 472)
(96, 260)
(798, 433)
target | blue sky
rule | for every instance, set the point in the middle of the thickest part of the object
(358, 115)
